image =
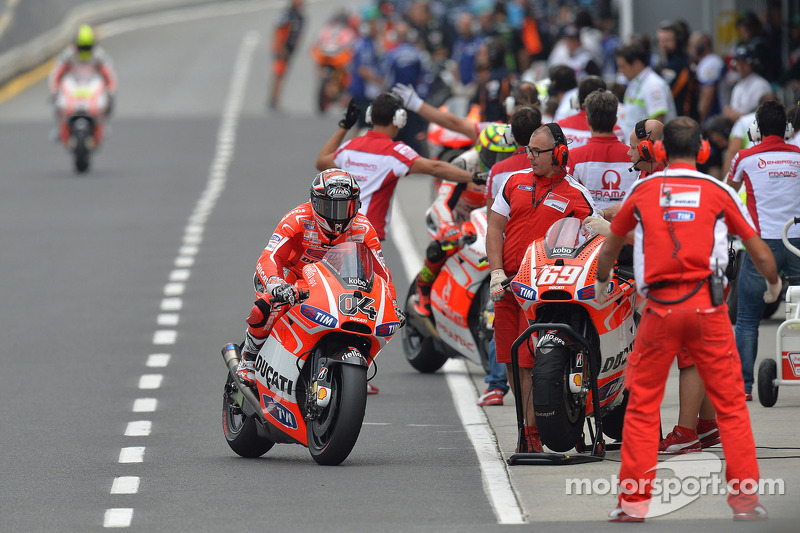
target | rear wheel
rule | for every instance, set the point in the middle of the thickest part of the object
(559, 413)
(240, 429)
(767, 390)
(334, 432)
(418, 345)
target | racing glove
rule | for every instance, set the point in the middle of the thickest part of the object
(773, 291)
(351, 115)
(479, 178)
(401, 316)
(410, 98)
(601, 288)
(285, 293)
(495, 284)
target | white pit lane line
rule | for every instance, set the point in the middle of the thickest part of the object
(193, 237)
(496, 481)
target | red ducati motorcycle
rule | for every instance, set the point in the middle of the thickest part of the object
(311, 373)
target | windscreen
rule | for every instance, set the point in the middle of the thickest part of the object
(565, 237)
(352, 264)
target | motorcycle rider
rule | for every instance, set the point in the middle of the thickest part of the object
(303, 235)
(449, 214)
(83, 51)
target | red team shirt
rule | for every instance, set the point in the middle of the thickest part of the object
(694, 197)
(376, 162)
(297, 241)
(576, 130)
(567, 199)
(601, 165)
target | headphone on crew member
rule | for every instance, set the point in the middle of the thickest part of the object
(654, 152)
(399, 117)
(754, 132)
(560, 154)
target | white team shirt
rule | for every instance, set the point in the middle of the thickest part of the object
(646, 96)
(747, 92)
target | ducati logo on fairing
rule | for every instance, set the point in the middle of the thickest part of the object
(272, 378)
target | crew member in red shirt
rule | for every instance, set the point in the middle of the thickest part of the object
(576, 127)
(691, 213)
(529, 203)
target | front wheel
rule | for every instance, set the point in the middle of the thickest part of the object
(559, 413)
(240, 429)
(334, 432)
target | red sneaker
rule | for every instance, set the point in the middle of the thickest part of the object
(422, 304)
(677, 443)
(372, 389)
(748, 396)
(532, 442)
(707, 432)
(757, 513)
(491, 397)
(618, 515)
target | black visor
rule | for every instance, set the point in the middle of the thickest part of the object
(335, 209)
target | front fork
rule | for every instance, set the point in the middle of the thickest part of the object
(321, 389)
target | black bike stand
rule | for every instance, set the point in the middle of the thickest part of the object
(598, 450)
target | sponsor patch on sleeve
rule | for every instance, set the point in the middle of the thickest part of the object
(273, 241)
(406, 151)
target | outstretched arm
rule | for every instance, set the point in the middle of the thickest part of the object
(413, 102)
(440, 169)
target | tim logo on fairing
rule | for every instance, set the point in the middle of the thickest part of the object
(523, 291)
(281, 414)
(318, 315)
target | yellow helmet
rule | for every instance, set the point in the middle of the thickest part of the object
(84, 42)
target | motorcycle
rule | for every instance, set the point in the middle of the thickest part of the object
(82, 105)
(311, 373)
(333, 52)
(460, 323)
(582, 346)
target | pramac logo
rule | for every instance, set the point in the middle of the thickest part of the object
(611, 180)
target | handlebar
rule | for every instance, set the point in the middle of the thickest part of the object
(302, 296)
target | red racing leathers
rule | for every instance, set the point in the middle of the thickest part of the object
(296, 242)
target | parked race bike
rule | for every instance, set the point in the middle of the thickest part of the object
(82, 104)
(333, 52)
(311, 373)
(458, 326)
(583, 346)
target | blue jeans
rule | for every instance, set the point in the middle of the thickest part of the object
(751, 304)
(497, 378)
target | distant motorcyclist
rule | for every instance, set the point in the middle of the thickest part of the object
(303, 236)
(83, 51)
(448, 218)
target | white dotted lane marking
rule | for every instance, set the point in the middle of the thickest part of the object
(118, 517)
(145, 405)
(139, 428)
(175, 288)
(150, 381)
(125, 485)
(131, 454)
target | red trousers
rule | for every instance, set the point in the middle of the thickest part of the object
(509, 323)
(706, 333)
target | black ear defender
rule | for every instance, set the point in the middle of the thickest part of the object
(560, 154)
(645, 146)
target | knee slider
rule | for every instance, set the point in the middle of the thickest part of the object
(259, 314)
(434, 253)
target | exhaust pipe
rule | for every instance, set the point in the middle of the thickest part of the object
(230, 353)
